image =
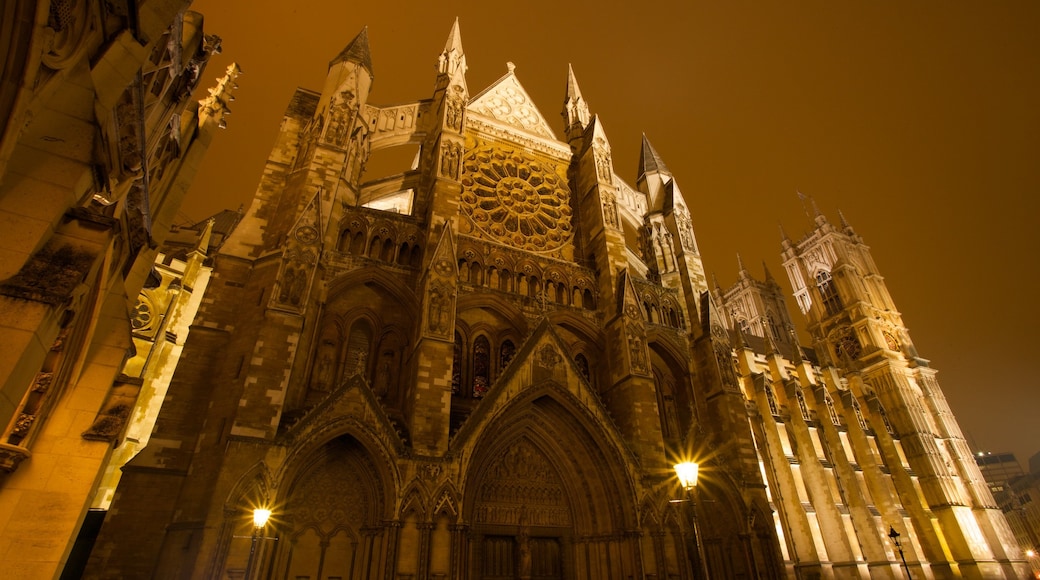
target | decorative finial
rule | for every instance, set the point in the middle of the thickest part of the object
(510, 67)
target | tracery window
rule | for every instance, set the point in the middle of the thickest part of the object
(481, 366)
(884, 419)
(774, 409)
(831, 410)
(859, 414)
(456, 366)
(828, 293)
(745, 328)
(801, 404)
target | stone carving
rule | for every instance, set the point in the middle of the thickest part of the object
(71, 23)
(637, 348)
(516, 199)
(610, 211)
(440, 308)
(685, 227)
(443, 268)
(522, 488)
(451, 154)
(509, 103)
(890, 340)
(603, 166)
(453, 113)
(341, 113)
(548, 357)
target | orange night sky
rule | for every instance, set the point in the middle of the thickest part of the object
(920, 121)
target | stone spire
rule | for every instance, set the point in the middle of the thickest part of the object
(575, 110)
(650, 161)
(741, 270)
(356, 51)
(452, 61)
(653, 175)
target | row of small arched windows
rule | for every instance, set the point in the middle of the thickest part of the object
(526, 285)
(474, 368)
(382, 248)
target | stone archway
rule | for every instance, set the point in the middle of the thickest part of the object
(548, 497)
(521, 516)
(332, 515)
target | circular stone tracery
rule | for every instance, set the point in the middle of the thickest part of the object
(516, 199)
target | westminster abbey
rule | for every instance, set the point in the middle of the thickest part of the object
(485, 367)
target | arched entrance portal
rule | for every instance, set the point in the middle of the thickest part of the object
(548, 497)
(522, 516)
(332, 515)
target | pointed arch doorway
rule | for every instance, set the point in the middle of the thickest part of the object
(522, 517)
(548, 497)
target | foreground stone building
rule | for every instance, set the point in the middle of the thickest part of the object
(485, 366)
(99, 139)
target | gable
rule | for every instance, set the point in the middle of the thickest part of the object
(507, 101)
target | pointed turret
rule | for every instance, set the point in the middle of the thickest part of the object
(741, 270)
(575, 110)
(356, 51)
(768, 274)
(451, 64)
(653, 174)
(650, 161)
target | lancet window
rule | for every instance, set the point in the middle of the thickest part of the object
(481, 366)
(774, 409)
(801, 404)
(828, 293)
(831, 410)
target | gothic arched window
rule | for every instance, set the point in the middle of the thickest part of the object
(774, 409)
(859, 414)
(481, 366)
(884, 419)
(828, 293)
(801, 404)
(456, 366)
(831, 410)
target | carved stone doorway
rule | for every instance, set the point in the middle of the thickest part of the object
(507, 558)
(521, 517)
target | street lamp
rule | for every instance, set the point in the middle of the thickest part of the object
(260, 517)
(892, 533)
(687, 473)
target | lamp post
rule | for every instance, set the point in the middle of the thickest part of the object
(687, 472)
(892, 533)
(260, 517)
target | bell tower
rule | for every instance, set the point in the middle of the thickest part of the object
(856, 329)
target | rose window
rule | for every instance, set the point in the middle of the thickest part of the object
(516, 199)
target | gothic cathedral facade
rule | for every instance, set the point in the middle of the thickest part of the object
(486, 366)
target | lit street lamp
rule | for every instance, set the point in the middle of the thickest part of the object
(260, 517)
(687, 472)
(892, 533)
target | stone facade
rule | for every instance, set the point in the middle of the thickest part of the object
(99, 139)
(485, 366)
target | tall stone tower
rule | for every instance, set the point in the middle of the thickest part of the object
(855, 326)
(485, 366)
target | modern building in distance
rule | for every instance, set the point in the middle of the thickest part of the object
(486, 365)
(1018, 495)
(99, 140)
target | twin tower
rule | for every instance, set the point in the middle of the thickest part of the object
(486, 365)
